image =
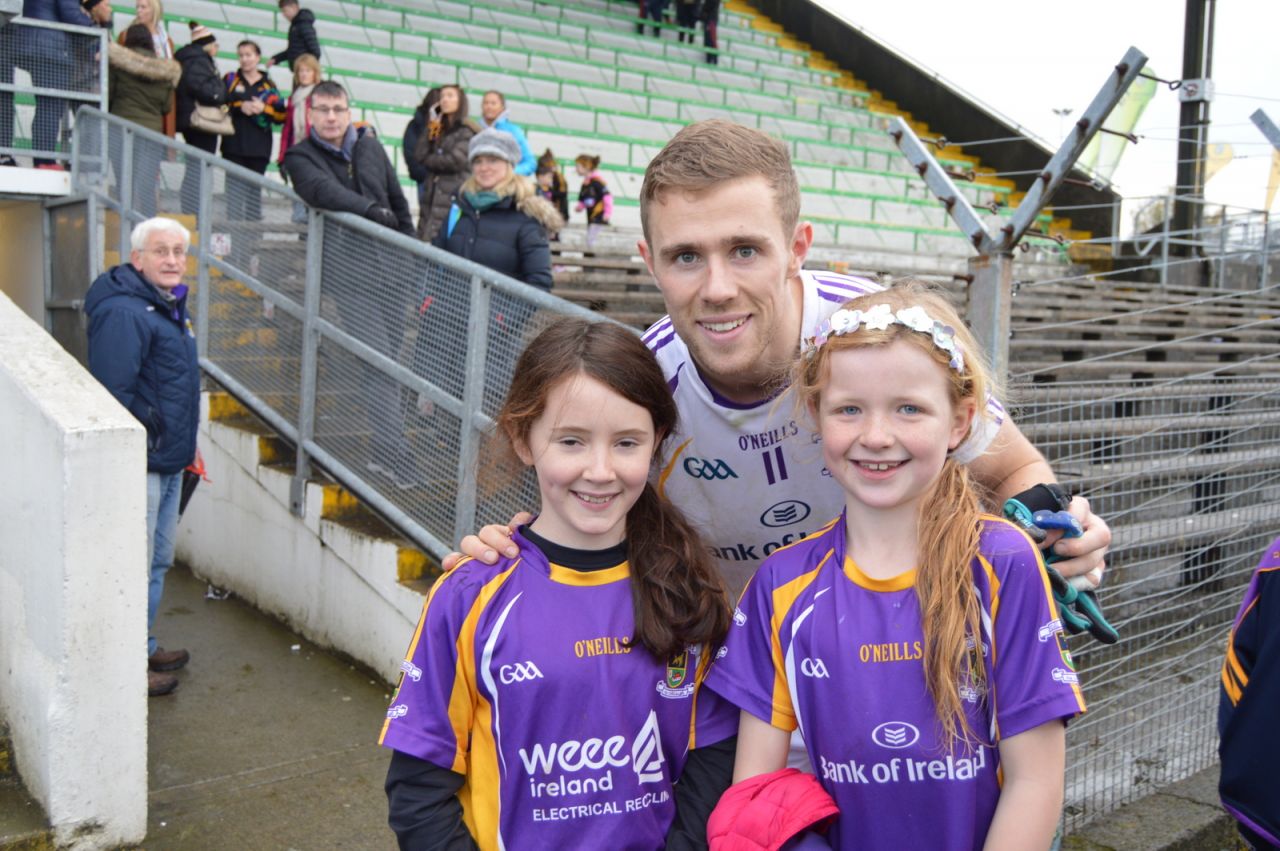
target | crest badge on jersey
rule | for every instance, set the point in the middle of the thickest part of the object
(677, 683)
(1064, 651)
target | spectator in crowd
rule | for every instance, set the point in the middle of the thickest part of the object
(55, 60)
(150, 14)
(493, 113)
(710, 24)
(297, 115)
(445, 159)
(199, 85)
(552, 185)
(1248, 694)
(142, 348)
(687, 13)
(426, 120)
(343, 167)
(141, 86)
(654, 9)
(594, 197)
(99, 11)
(302, 34)
(256, 106)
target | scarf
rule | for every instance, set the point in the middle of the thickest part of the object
(483, 200)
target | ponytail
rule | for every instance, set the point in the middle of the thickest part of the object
(953, 646)
(676, 591)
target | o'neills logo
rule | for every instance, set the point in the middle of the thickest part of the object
(586, 766)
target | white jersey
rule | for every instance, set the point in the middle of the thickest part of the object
(751, 477)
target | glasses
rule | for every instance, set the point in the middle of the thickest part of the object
(162, 253)
(329, 110)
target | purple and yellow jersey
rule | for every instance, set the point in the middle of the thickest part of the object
(1247, 705)
(519, 677)
(817, 644)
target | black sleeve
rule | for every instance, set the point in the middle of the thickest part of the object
(535, 254)
(319, 188)
(399, 204)
(282, 56)
(707, 774)
(423, 807)
(409, 144)
(310, 41)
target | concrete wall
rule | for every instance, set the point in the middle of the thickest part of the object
(333, 584)
(73, 581)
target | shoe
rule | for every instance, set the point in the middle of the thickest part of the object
(7, 160)
(160, 684)
(168, 660)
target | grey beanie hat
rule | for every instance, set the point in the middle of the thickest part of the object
(495, 143)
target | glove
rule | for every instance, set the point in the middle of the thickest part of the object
(383, 216)
(1044, 507)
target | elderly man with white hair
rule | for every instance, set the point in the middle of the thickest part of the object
(142, 348)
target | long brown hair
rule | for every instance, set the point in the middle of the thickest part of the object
(458, 116)
(949, 519)
(676, 591)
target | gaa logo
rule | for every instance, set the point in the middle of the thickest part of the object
(814, 668)
(519, 672)
(785, 513)
(895, 735)
(713, 470)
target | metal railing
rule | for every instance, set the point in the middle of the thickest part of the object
(47, 70)
(379, 357)
(383, 359)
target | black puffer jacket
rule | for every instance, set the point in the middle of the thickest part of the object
(448, 167)
(199, 84)
(507, 238)
(302, 38)
(412, 133)
(328, 181)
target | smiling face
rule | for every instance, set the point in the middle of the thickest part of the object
(491, 107)
(727, 271)
(489, 171)
(163, 260)
(887, 422)
(591, 449)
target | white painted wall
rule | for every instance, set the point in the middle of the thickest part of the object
(73, 580)
(335, 586)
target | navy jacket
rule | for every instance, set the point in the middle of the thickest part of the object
(143, 350)
(508, 238)
(302, 38)
(53, 46)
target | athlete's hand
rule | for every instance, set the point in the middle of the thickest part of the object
(1085, 555)
(488, 542)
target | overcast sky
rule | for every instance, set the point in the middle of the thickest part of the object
(1025, 59)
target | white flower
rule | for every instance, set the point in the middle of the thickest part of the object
(878, 318)
(845, 321)
(916, 319)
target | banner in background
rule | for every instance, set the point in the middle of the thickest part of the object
(1102, 154)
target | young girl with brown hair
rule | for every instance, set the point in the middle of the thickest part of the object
(594, 196)
(914, 641)
(554, 699)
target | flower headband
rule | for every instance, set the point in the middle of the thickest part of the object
(879, 318)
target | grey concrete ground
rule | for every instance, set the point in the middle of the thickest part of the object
(261, 746)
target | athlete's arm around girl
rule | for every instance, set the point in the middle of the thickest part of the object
(554, 699)
(914, 641)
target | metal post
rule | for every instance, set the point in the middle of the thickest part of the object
(204, 225)
(472, 397)
(126, 191)
(1193, 119)
(310, 363)
(1117, 210)
(1222, 249)
(990, 305)
(1263, 274)
(1164, 241)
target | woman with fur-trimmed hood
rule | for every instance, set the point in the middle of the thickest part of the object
(140, 84)
(498, 219)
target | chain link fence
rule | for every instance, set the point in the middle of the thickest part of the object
(381, 358)
(47, 71)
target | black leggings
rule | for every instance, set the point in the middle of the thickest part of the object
(244, 199)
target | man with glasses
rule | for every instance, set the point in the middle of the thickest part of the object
(142, 348)
(343, 167)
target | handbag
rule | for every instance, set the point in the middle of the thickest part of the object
(212, 119)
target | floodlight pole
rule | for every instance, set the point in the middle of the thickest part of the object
(991, 273)
(1269, 129)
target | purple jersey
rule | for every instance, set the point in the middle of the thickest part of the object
(819, 645)
(519, 677)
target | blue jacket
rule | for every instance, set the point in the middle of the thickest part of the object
(143, 350)
(53, 46)
(528, 162)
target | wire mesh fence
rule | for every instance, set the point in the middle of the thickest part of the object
(47, 71)
(383, 360)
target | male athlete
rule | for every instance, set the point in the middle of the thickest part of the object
(720, 210)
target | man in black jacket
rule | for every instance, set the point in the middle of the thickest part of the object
(344, 168)
(302, 34)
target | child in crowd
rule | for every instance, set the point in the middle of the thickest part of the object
(297, 116)
(552, 185)
(552, 700)
(1247, 704)
(594, 196)
(914, 641)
